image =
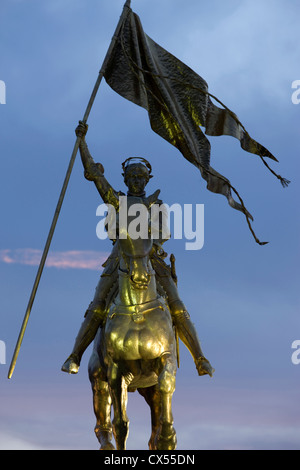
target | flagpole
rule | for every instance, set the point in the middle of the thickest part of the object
(63, 191)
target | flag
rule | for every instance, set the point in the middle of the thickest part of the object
(178, 105)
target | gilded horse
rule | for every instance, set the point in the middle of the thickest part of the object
(135, 350)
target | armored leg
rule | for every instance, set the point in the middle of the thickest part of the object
(185, 328)
(93, 319)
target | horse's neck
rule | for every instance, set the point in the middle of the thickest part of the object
(129, 295)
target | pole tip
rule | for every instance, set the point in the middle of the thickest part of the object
(11, 371)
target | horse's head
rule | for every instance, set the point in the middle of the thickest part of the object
(135, 260)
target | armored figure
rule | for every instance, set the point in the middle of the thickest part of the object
(136, 176)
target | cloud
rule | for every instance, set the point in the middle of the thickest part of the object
(242, 437)
(8, 442)
(75, 259)
(244, 57)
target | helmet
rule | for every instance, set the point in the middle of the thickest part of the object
(137, 162)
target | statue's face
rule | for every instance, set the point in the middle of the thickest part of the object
(136, 179)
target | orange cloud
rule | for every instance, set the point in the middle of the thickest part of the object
(75, 259)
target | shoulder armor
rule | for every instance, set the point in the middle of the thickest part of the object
(153, 199)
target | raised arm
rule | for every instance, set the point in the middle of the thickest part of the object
(95, 171)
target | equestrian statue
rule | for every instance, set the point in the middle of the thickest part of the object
(135, 318)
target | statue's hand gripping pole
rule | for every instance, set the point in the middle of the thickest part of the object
(63, 191)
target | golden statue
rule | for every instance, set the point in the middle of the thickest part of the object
(134, 318)
(136, 315)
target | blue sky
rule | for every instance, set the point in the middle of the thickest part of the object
(243, 298)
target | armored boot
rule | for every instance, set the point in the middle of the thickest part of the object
(188, 335)
(93, 319)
